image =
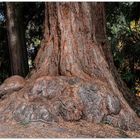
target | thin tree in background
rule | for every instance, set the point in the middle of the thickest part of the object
(17, 48)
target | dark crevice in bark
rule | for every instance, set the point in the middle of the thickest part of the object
(92, 9)
(59, 45)
(48, 21)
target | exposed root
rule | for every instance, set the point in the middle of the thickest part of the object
(49, 99)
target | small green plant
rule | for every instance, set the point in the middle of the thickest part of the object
(106, 122)
(24, 122)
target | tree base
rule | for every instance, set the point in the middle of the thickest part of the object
(49, 99)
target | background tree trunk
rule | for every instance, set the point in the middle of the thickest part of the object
(75, 77)
(17, 48)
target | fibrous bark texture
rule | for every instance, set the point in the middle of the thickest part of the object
(75, 77)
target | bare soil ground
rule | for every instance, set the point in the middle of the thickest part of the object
(80, 129)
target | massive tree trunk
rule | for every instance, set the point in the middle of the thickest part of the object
(75, 77)
(17, 48)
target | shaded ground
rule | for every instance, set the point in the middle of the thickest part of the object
(80, 129)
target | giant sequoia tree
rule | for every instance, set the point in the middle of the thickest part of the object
(75, 77)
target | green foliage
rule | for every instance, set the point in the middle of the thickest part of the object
(34, 22)
(24, 123)
(124, 35)
(34, 28)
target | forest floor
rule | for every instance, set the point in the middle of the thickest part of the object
(80, 129)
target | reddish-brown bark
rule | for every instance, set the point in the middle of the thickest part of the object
(75, 77)
(75, 43)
